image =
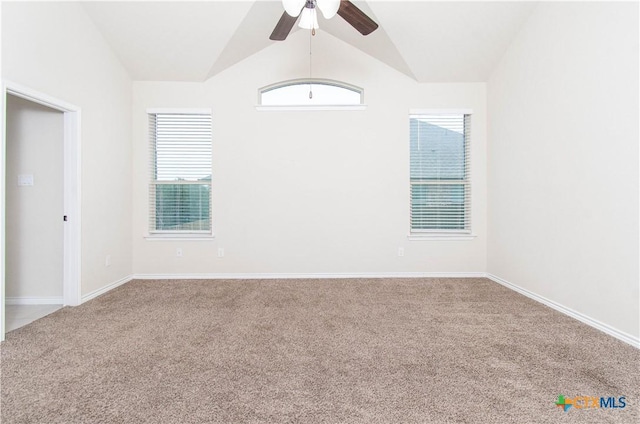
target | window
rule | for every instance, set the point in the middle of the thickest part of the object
(180, 187)
(325, 94)
(439, 172)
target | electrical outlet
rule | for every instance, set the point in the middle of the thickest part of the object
(400, 251)
(220, 252)
(107, 260)
(179, 252)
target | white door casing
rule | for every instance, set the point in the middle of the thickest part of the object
(71, 154)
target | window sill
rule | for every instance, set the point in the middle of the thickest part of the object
(441, 236)
(180, 237)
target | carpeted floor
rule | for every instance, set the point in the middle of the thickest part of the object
(313, 351)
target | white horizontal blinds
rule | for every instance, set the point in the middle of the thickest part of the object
(440, 174)
(180, 189)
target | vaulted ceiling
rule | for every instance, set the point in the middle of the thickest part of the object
(430, 41)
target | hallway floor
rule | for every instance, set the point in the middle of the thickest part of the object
(20, 315)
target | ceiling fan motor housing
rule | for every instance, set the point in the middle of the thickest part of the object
(329, 8)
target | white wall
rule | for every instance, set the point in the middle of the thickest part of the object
(309, 192)
(34, 232)
(563, 160)
(54, 48)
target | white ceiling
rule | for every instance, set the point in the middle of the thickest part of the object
(430, 41)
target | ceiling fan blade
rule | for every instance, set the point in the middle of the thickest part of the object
(283, 27)
(356, 18)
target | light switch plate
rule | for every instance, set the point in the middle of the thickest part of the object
(25, 179)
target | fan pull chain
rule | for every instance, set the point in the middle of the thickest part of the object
(311, 34)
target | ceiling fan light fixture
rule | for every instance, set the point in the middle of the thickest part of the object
(329, 8)
(293, 7)
(309, 19)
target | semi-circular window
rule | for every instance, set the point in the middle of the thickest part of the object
(314, 94)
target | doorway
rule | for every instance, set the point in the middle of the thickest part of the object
(34, 211)
(40, 246)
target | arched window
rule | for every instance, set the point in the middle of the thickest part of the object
(311, 94)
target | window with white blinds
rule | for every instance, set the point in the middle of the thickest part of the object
(440, 174)
(180, 187)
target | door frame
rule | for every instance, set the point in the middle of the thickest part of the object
(72, 171)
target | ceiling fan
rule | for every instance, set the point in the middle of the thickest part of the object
(307, 10)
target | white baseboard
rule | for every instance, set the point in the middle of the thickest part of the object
(274, 276)
(56, 300)
(105, 289)
(620, 335)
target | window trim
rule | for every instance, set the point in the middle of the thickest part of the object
(303, 81)
(443, 234)
(160, 235)
(184, 111)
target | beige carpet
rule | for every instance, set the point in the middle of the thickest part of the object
(313, 351)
